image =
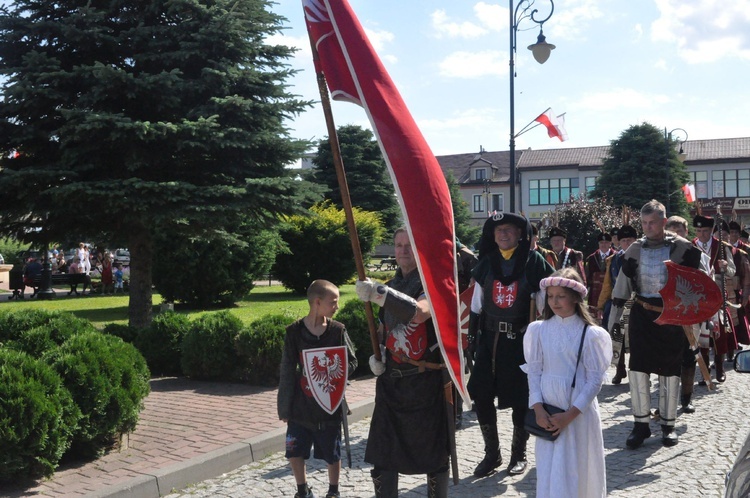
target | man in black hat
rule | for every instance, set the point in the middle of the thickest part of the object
(596, 265)
(507, 276)
(654, 349)
(548, 254)
(722, 269)
(565, 255)
(614, 233)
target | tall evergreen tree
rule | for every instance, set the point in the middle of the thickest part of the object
(133, 117)
(370, 186)
(635, 171)
(466, 232)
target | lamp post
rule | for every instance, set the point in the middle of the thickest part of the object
(541, 50)
(487, 193)
(667, 145)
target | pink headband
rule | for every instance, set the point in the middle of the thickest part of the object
(564, 282)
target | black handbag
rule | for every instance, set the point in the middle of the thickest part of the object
(529, 422)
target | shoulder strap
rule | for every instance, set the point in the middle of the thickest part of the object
(580, 348)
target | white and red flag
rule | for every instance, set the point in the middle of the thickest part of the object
(555, 124)
(689, 191)
(355, 73)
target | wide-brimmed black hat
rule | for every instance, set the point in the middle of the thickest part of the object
(507, 219)
(603, 237)
(733, 225)
(703, 222)
(627, 232)
(614, 232)
(724, 227)
(557, 232)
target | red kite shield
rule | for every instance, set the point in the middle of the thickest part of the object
(690, 296)
(327, 370)
(463, 314)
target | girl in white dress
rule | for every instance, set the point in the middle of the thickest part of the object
(573, 465)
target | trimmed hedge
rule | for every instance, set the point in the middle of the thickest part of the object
(260, 346)
(352, 315)
(208, 351)
(37, 417)
(161, 343)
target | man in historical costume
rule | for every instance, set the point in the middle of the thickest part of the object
(409, 428)
(742, 330)
(627, 236)
(466, 260)
(596, 266)
(653, 348)
(564, 254)
(615, 234)
(507, 276)
(548, 255)
(722, 269)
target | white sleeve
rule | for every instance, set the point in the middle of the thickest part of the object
(595, 358)
(532, 352)
(476, 299)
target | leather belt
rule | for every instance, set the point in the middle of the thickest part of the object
(420, 364)
(648, 306)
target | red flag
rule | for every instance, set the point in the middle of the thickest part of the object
(355, 73)
(689, 191)
(555, 125)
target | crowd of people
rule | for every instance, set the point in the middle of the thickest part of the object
(545, 326)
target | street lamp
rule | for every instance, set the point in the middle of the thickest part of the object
(541, 50)
(668, 144)
(487, 192)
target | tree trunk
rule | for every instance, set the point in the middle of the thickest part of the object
(140, 309)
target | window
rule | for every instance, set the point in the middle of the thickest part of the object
(497, 202)
(590, 184)
(478, 203)
(729, 183)
(553, 191)
(700, 180)
(480, 173)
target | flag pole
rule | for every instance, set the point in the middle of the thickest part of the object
(528, 127)
(338, 164)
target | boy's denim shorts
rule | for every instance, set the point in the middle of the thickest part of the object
(299, 441)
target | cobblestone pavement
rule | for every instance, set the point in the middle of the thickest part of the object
(697, 466)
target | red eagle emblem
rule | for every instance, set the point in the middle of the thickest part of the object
(326, 370)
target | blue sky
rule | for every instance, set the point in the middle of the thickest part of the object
(675, 64)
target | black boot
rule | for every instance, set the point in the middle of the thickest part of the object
(687, 406)
(518, 462)
(668, 436)
(621, 373)
(385, 483)
(719, 362)
(640, 432)
(687, 378)
(492, 458)
(437, 484)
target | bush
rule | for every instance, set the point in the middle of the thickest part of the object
(208, 347)
(161, 342)
(352, 315)
(319, 246)
(124, 332)
(14, 324)
(108, 380)
(39, 340)
(259, 347)
(37, 417)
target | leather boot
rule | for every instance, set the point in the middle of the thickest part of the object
(385, 483)
(621, 373)
(687, 378)
(719, 362)
(518, 462)
(437, 484)
(668, 436)
(492, 458)
(640, 432)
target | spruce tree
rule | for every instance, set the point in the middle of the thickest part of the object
(136, 117)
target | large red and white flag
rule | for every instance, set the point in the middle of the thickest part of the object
(555, 124)
(689, 191)
(354, 73)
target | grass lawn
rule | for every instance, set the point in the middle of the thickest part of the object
(101, 310)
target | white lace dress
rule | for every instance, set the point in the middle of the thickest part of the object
(573, 465)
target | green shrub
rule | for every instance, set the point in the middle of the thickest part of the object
(160, 343)
(108, 380)
(39, 340)
(13, 324)
(259, 347)
(352, 315)
(123, 331)
(208, 347)
(37, 417)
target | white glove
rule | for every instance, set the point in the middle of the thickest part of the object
(377, 366)
(367, 290)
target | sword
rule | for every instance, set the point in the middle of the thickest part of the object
(694, 347)
(345, 411)
(450, 413)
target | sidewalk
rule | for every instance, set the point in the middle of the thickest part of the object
(189, 431)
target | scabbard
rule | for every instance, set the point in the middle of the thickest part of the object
(345, 421)
(450, 413)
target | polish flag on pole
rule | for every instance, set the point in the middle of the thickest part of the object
(689, 191)
(555, 124)
(354, 73)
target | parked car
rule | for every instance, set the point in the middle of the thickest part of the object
(122, 256)
(738, 479)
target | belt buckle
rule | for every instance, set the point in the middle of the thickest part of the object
(507, 328)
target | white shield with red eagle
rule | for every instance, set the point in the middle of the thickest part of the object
(326, 370)
(690, 296)
(464, 314)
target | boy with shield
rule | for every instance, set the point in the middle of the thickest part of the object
(317, 360)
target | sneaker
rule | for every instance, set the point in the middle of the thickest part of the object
(308, 494)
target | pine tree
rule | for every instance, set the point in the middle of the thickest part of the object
(132, 118)
(466, 232)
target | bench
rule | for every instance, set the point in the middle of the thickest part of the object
(386, 264)
(18, 286)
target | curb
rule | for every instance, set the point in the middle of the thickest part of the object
(213, 464)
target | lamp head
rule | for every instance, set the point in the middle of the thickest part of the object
(541, 49)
